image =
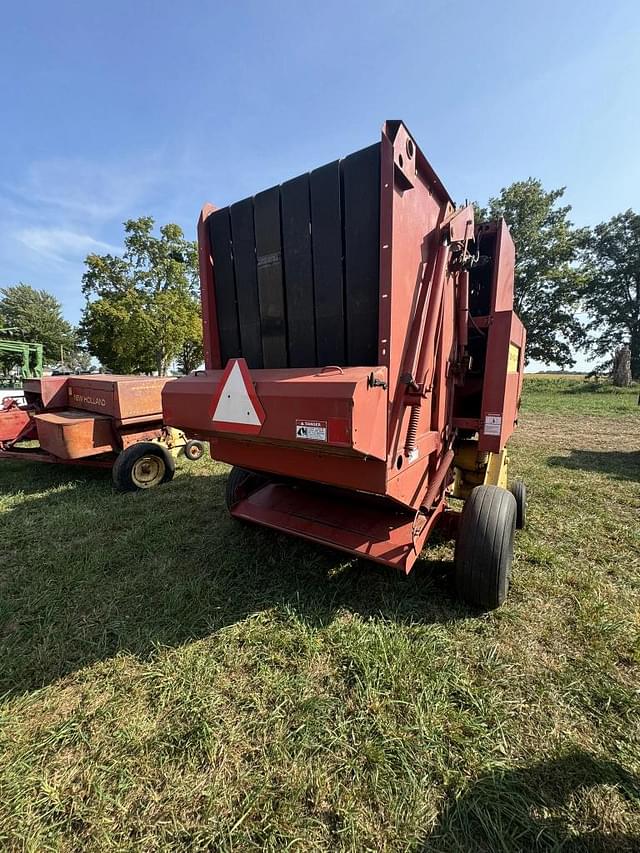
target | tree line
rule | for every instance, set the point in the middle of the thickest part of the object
(141, 312)
(575, 288)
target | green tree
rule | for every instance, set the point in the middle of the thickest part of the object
(548, 277)
(35, 315)
(611, 293)
(191, 355)
(142, 307)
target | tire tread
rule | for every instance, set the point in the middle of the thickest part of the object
(484, 549)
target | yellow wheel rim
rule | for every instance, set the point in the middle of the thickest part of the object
(148, 471)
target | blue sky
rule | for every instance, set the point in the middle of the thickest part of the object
(119, 109)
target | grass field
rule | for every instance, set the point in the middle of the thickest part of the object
(173, 680)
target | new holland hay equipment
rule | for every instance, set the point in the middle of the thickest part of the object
(363, 363)
(103, 421)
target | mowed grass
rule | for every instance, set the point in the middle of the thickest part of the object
(174, 680)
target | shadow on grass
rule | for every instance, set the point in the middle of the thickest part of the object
(30, 477)
(88, 573)
(617, 464)
(530, 809)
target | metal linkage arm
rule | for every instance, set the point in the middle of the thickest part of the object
(455, 233)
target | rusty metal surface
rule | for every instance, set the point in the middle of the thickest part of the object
(120, 397)
(15, 423)
(77, 418)
(131, 435)
(71, 434)
(50, 391)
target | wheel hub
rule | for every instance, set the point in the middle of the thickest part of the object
(148, 471)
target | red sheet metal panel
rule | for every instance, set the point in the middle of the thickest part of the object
(381, 532)
(51, 391)
(120, 397)
(13, 422)
(210, 337)
(72, 434)
(334, 410)
(505, 260)
(502, 381)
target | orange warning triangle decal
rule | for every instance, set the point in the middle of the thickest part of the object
(235, 406)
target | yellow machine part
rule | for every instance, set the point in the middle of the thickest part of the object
(174, 440)
(475, 468)
(513, 365)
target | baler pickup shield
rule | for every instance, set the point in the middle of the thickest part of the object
(374, 531)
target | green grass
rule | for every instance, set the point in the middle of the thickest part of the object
(174, 680)
(571, 396)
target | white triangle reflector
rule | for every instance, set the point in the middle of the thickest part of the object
(237, 408)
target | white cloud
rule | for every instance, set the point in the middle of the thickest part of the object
(61, 245)
(60, 209)
(78, 190)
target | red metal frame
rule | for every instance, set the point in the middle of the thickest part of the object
(16, 422)
(385, 429)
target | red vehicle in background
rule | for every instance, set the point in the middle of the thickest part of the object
(102, 421)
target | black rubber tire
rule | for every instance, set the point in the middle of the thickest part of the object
(484, 548)
(194, 450)
(240, 483)
(519, 491)
(122, 471)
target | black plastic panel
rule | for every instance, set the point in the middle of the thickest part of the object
(361, 253)
(226, 308)
(326, 237)
(297, 269)
(246, 281)
(298, 265)
(270, 278)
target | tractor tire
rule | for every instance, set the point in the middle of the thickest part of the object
(484, 549)
(143, 466)
(519, 491)
(194, 450)
(240, 483)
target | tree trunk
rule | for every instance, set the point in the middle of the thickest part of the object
(162, 362)
(621, 373)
